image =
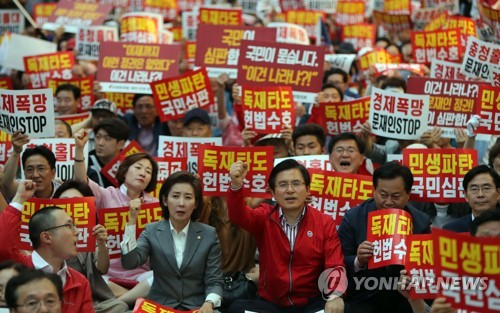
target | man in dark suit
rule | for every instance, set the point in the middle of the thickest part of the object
(392, 183)
(482, 191)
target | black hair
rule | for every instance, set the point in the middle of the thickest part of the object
(130, 160)
(182, 177)
(346, 136)
(384, 39)
(115, 127)
(40, 150)
(9, 264)
(69, 87)
(286, 165)
(39, 222)
(333, 71)
(487, 216)
(393, 82)
(494, 153)
(391, 170)
(82, 187)
(26, 277)
(477, 170)
(330, 85)
(311, 129)
(137, 96)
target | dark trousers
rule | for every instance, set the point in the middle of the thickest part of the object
(260, 305)
(382, 302)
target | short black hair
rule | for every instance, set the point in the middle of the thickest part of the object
(477, 170)
(9, 264)
(347, 136)
(39, 222)
(391, 170)
(330, 85)
(384, 39)
(82, 187)
(311, 129)
(69, 87)
(68, 127)
(393, 82)
(115, 127)
(487, 216)
(494, 153)
(182, 177)
(137, 96)
(335, 70)
(40, 150)
(26, 277)
(286, 165)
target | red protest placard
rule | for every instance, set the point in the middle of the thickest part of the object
(11, 21)
(141, 27)
(438, 22)
(166, 8)
(422, 18)
(73, 15)
(452, 103)
(387, 230)
(5, 146)
(440, 44)
(393, 22)
(468, 270)
(6, 83)
(489, 109)
(41, 67)
(479, 57)
(398, 115)
(115, 220)
(267, 109)
(177, 95)
(320, 162)
(306, 19)
(148, 306)
(491, 17)
(350, 12)
(219, 52)
(219, 16)
(123, 101)
(359, 35)
(214, 163)
(88, 41)
(86, 85)
(129, 67)
(277, 64)
(333, 193)
(377, 56)
(184, 147)
(74, 118)
(419, 265)
(167, 166)
(466, 25)
(109, 170)
(81, 210)
(346, 116)
(42, 11)
(438, 173)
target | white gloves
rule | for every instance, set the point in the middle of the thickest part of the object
(472, 125)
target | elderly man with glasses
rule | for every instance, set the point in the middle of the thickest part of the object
(54, 237)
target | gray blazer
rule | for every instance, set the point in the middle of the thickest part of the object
(200, 272)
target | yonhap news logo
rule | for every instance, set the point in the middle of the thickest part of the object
(333, 281)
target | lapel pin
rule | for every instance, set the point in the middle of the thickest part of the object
(199, 237)
(309, 233)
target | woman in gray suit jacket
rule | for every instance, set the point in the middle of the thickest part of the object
(184, 255)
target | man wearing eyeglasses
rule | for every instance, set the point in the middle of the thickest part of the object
(347, 155)
(54, 237)
(482, 191)
(34, 291)
(296, 244)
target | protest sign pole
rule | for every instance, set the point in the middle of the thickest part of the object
(26, 14)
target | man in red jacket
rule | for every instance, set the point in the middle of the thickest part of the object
(298, 246)
(53, 236)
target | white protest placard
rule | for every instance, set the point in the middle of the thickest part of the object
(446, 70)
(64, 150)
(479, 57)
(495, 76)
(398, 115)
(88, 40)
(290, 33)
(342, 61)
(28, 111)
(20, 46)
(320, 161)
(189, 24)
(329, 6)
(11, 21)
(182, 147)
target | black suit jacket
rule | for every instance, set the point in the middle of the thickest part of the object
(462, 225)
